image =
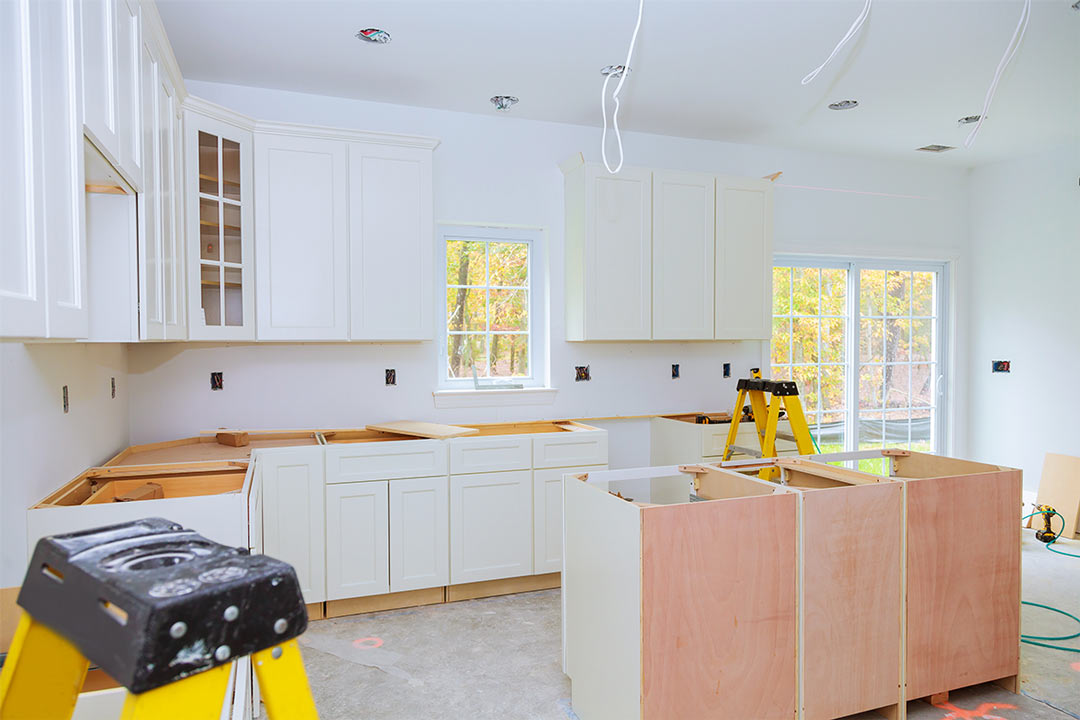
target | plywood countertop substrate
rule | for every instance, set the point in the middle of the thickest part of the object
(206, 448)
(414, 428)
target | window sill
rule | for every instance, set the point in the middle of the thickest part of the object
(493, 398)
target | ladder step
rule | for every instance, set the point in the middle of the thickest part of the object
(785, 436)
(746, 451)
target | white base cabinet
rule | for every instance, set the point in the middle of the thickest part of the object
(548, 516)
(490, 526)
(294, 512)
(419, 533)
(356, 540)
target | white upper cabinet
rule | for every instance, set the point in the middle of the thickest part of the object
(743, 259)
(608, 254)
(390, 242)
(683, 248)
(301, 237)
(99, 61)
(220, 229)
(173, 291)
(128, 39)
(151, 300)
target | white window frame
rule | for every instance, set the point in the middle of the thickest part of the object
(537, 332)
(855, 266)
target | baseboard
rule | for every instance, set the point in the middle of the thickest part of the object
(505, 586)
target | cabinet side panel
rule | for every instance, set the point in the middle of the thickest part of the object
(719, 609)
(963, 598)
(574, 248)
(601, 586)
(851, 599)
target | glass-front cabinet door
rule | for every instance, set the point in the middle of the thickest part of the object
(220, 232)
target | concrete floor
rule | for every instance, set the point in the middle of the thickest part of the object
(500, 659)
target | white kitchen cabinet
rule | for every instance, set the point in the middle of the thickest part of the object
(391, 249)
(357, 556)
(683, 262)
(294, 514)
(548, 516)
(301, 237)
(99, 62)
(419, 533)
(128, 46)
(743, 259)
(220, 249)
(151, 300)
(491, 453)
(490, 526)
(569, 449)
(353, 462)
(608, 254)
(173, 290)
(678, 440)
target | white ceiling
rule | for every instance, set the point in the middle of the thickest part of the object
(718, 70)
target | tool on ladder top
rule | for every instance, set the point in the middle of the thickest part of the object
(766, 412)
(162, 610)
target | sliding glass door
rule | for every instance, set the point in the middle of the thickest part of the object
(865, 342)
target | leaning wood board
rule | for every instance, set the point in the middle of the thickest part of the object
(415, 428)
(1059, 487)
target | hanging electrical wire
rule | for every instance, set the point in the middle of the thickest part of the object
(1010, 51)
(852, 32)
(621, 72)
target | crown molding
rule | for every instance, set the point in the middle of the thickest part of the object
(334, 133)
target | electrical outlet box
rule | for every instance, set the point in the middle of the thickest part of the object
(217, 381)
(1002, 366)
(727, 370)
(112, 387)
(581, 373)
(674, 371)
(391, 376)
(66, 406)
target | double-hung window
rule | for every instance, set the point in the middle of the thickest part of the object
(492, 311)
(865, 341)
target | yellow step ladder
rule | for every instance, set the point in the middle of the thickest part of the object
(162, 610)
(784, 395)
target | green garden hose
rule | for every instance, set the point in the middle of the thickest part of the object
(1033, 639)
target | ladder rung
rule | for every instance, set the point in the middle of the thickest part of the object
(785, 436)
(746, 451)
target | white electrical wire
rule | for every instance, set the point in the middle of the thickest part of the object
(852, 32)
(1010, 51)
(615, 97)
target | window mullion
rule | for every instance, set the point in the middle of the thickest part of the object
(851, 356)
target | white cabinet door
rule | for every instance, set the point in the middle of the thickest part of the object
(391, 245)
(151, 295)
(357, 561)
(419, 533)
(547, 516)
(683, 247)
(174, 310)
(301, 238)
(99, 75)
(490, 526)
(293, 514)
(618, 254)
(128, 105)
(743, 259)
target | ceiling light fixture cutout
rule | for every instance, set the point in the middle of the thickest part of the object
(374, 35)
(969, 119)
(935, 148)
(617, 70)
(844, 105)
(503, 103)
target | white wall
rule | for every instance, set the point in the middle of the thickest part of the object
(1025, 263)
(499, 169)
(41, 448)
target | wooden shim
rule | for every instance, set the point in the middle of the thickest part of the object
(1060, 488)
(504, 586)
(423, 429)
(602, 595)
(852, 599)
(718, 601)
(233, 438)
(963, 598)
(390, 601)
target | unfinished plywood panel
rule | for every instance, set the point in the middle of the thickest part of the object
(963, 580)
(207, 448)
(602, 596)
(423, 429)
(718, 609)
(851, 599)
(1060, 488)
(907, 464)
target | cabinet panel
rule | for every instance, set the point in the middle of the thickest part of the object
(99, 74)
(390, 242)
(618, 254)
(743, 259)
(490, 526)
(683, 247)
(22, 261)
(151, 301)
(490, 454)
(570, 449)
(301, 274)
(385, 460)
(128, 117)
(548, 516)
(419, 533)
(356, 540)
(293, 514)
(174, 312)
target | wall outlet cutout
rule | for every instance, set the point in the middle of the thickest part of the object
(727, 370)
(66, 406)
(217, 381)
(391, 376)
(1002, 366)
(674, 371)
(581, 373)
(112, 387)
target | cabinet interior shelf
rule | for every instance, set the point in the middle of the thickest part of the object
(208, 224)
(211, 178)
(214, 283)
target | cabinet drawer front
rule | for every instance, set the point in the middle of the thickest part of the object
(385, 460)
(357, 557)
(490, 454)
(570, 449)
(490, 526)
